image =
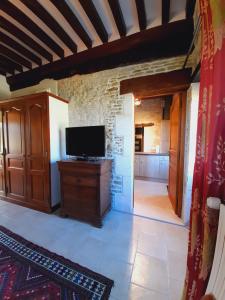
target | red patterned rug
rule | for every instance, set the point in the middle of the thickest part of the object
(29, 272)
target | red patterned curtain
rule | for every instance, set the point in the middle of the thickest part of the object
(209, 172)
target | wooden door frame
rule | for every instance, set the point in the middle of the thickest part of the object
(164, 84)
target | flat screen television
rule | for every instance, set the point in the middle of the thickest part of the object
(86, 141)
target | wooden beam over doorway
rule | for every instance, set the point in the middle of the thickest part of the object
(157, 85)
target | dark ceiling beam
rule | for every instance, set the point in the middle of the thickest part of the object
(167, 40)
(13, 30)
(48, 19)
(142, 20)
(15, 57)
(165, 11)
(11, 64)
(67, 13)
(2, 71)
(7, 69)
(190, 7)
(118, 16)
(19, 48)
(156, 85)
(22, 18)
(94, 17)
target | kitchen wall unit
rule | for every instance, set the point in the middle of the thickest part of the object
(150, 165)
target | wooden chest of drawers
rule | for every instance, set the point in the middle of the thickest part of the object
(85, 189)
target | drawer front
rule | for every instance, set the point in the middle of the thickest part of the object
(79, 180)
(80, 199)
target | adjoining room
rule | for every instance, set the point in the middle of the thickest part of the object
(151, 167)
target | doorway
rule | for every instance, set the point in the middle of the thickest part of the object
(152, 196)
(164, 85)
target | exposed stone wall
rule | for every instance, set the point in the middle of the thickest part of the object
(95, 100)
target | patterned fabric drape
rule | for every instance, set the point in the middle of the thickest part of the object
(209, 172)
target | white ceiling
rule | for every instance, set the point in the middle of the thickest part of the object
(153, 13)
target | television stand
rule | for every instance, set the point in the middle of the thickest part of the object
(85, 189)
(85, 158)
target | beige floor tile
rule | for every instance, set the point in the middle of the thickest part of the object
(152, 245)
(140, 293)
(136, 252)
(151, 200)
(150, 272)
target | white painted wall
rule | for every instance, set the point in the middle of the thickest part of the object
(124, 163)
(58, 119)
(4, 88)
(190, 148)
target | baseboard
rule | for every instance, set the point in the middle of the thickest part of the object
(56, 206)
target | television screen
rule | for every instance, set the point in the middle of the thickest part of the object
(85, 141)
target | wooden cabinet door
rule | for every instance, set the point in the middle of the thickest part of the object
(14, 137)
(2, 158)
(37, 153)
(174, 152)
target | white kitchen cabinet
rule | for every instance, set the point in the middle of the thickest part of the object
(137, 165)
(151, 166)
(163, 167)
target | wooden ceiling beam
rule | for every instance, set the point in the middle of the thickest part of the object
(19, 48)
(67, 13)
(157, 85)
(2, 71)
(142, 20)
(168, 40)
(190, 7)
(11, 64)
(24, 20)
(48, 19)
(118, 16)
(7, 69)
(165, 11)
(94, 17)
(13, 30)
(15, 57)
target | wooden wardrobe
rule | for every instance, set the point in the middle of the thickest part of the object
(32, 140)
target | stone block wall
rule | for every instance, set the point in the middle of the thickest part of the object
(95, 100)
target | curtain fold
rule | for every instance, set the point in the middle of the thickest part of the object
(209, 171)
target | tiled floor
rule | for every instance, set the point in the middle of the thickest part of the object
(151, 200)
(145, 258)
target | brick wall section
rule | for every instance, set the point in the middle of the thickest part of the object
(95, 100)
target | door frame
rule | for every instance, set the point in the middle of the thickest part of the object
(164, 84)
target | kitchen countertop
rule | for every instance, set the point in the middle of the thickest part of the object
(150, 153)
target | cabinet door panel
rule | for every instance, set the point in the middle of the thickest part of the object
(163, 169)
(151, 166)
(142, 165)
(37, 152)
(14, 132)
(136, 166)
